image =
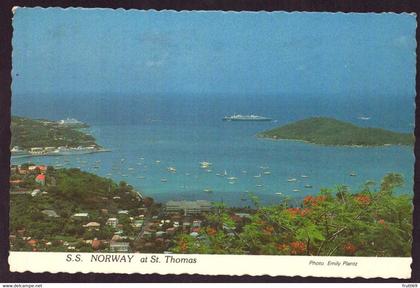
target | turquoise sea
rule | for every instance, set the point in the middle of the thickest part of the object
(145, 145)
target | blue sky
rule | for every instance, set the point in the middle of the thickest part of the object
(104, 51)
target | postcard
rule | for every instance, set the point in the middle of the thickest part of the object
(212, 142)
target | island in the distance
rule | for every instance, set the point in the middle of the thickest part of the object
(332, 132)
(40, 137)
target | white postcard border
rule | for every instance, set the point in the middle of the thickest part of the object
(232, 265)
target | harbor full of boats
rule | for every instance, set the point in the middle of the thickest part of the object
(221, 162)
(204, 179)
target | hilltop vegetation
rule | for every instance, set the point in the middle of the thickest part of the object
(27, 133)
(329, 131)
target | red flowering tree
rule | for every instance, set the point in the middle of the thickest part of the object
(373, 222)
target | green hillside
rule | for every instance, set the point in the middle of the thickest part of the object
(27, 133)
(329, 131)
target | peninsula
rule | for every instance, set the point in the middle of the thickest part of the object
(44, 137)
(332, 132)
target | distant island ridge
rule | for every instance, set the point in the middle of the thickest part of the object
(39, 137)
(333, 132)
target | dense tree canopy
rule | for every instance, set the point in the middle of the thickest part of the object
(329, 131)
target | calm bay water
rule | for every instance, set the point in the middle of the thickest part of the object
(144, 147)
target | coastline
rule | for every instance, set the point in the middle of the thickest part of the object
(61, 154)
(259, 136)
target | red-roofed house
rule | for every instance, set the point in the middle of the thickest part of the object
(96, 244)
(32, 242)
(40, 179)
(42, 168)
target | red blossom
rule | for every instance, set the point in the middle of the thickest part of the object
(298, 211)
(297, 248)
(211, 231)
(313, 201)
(293, 211)
(305, 211)
(363, 199)
(268, 230)
(349, 248)
(183, 245)
(308, 200)
(282, 247)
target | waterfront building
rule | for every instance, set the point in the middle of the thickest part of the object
(37, 151)
(188, 207)
(70, 121)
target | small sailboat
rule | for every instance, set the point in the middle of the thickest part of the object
(208, 190)
(304, 176)
(291, 180)
(163, 180)
(296, 190)
(171, 169)
(308, 186)
(353, 174)
(205, 164)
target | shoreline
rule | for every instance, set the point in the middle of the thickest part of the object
(59, 154)
(330, 145)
